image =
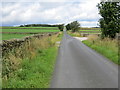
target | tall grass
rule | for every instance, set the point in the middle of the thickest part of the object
(108, 47)
(34, 56)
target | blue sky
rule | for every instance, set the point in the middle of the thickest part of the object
(49, 12)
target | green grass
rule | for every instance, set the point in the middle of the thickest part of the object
(35, 73)
(9, 30)
(11, 36)
(28, 30)
(90, 31)
(107, 48)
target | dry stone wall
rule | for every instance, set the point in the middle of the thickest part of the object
(8, 45)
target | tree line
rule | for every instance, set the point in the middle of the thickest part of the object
(38, 25)
(60, 26)
(73, 26)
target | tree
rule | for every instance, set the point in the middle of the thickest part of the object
(68, 27)
(110, 21)
(74, 26)
(21, 25)
(61, 27)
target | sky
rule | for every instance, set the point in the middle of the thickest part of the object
(49, 12)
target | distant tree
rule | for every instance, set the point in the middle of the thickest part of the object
(21, 25)
(110, 21)
(38, 25)
(61, 27)
(68, 27)
(73, 26)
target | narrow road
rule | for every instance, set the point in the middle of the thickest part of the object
(78, 66)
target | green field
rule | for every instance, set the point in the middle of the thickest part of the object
(29, 30)
(89, 30)
(11, 36)
(19, 32)
(82, 28)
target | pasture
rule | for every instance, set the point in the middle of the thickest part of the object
(19, 32)
(90, 30)
(11, 36)
(29, 30)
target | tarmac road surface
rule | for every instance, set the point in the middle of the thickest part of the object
(78, 66)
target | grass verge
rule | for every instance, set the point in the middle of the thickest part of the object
(34, 73)
(107, 47)
(30, 66)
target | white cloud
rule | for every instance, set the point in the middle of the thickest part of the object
(50, 12)
(89, 23)
(50, 0)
